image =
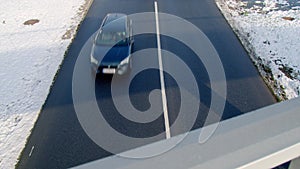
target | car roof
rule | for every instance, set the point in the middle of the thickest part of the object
(115, 22)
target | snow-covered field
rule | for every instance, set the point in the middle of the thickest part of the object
(30, 56)
(271, 36)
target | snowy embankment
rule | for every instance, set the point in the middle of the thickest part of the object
(30, 55)
(271, 36)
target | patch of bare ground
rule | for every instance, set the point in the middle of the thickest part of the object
(31, 22)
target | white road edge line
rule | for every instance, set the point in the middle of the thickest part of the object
(31, 151)
(162, 81)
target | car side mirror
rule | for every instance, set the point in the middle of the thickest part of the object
(94, 39)
(131, 40)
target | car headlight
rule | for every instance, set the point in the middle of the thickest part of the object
(93, 60)
(125, 61)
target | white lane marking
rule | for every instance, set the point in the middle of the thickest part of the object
(31, 151)
(162, 81)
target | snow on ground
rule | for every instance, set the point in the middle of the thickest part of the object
(30, 56)
(271, 36)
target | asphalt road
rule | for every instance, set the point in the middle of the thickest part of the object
(58, 138)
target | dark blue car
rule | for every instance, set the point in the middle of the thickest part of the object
(114, 41)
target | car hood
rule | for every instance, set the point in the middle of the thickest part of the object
(113, 55)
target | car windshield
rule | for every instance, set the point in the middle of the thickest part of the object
(111, 38)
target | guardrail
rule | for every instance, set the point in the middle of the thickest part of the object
(264, 138)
